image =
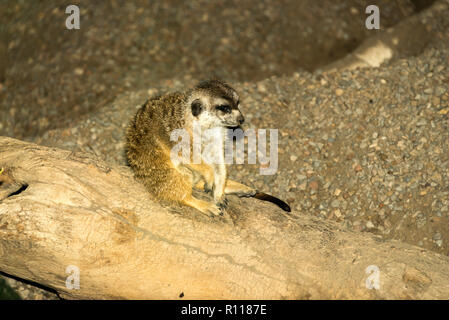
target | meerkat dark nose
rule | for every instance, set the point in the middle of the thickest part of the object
(240, 119)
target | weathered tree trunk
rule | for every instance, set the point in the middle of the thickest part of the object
(72, 209)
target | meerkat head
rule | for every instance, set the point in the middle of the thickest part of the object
(215, 104)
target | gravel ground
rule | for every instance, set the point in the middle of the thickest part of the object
(28, 291)
(366, 147)
(55, 75)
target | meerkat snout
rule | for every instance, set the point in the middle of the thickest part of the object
(240, 119)
(231, 117)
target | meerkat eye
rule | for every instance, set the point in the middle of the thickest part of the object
(196, 107)
(224, 108)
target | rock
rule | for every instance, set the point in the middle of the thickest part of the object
(313, 185)
(335, 203)
(337, 213)
(437, 236)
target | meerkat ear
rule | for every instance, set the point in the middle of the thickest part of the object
(196, 107)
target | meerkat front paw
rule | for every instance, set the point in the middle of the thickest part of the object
(216, 210)
(211, 209)
(223, 203)
(220, 199)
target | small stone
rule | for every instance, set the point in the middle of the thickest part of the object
(152, 92)
(421, 122)
(369, 225)
(339, 92)
(443, 111)
(303, 186)
(261, 88)
(335, 203)
(437, 236)
(337, 192)
(225, 41)
(313, 185)
(79, 71)
(358, 168)
(436, 101)
(25, 292)
(337, 213)
(293, 158)
(354, 11)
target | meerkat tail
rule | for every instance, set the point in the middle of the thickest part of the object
(266, 197)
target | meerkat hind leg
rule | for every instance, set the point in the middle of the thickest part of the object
(239, 189)
(203, 206)
(193, 178)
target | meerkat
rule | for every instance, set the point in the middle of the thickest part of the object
(211, 104)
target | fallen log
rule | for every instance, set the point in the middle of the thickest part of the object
(408, 38)
(61, 210)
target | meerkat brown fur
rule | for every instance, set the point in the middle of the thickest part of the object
(211, 104)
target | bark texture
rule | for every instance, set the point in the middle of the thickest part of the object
(60, 209)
